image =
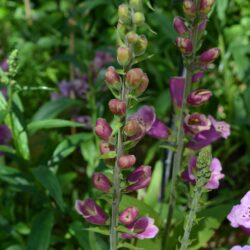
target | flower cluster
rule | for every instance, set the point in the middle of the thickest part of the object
(240, 214)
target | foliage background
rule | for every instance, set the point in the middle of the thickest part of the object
(37, 196)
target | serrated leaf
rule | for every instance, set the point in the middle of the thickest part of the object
(39, 237)
(51, 183)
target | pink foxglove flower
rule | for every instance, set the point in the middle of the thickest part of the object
(101, 182)
(142, 228)
(177, 85)
(91, 212)
(216, 175)
(159, 130)
(240, 248)
(198, 97)
(128, 216)
(179, 25)
(240, 214)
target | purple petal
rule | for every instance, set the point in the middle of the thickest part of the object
(150, 231)
(177, 87)
(188, 175)
(159, 130)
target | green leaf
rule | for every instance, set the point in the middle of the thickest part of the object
(153, 190)
(51, 123)
(18, 132)
(39, 238)
(7, 149)
(68, 146)
(103, 231)
(108, 155)
(51, 183)
(53, 108)
(129, 246)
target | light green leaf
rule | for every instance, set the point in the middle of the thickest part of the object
(39, 238)
(104, 231)
(51, 183)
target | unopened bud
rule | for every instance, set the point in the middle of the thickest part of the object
(136, 4)
(101, 182)
(143, 86)
(132, 128)
(105, 147)
(179, 25)
(123, 13)
(141, 45)
(184, 45)
(126, 161)
(134, 77)
(209, 56)
(199, 97)
(124, 56)
(117, 107)
(189, 8)
(206, 6)
(138, 18)
(202, 25)
(132, 37)
(102, 129)
(112, 77)
(197, 76)
(128, 216)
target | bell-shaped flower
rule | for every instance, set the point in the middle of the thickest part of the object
(143, 228)
(240, 214)
(177, 87)
(139, 178)
(159, 130)
(91, 212)
(128, 215)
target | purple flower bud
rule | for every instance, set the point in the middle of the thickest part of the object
(4, 65)
(159, 130)
(141, 45)
(134, 77)
(128, 216)
(142, 228)
(209, 56)
(124, 56)
(202, 25)
(84, 120)
(117, 107)
(184, 45)
(177, 85)
(240, 248)
(126, 161)
(112, 78)
(102, 129)
(206, 6)
(91, 212)
(240, 214)
(197, 77)
(198, 97)
(179, 25)
(132, 37)
(138, 18)
(101, 182)
(189, 8)
(140, 178)
(196, 123)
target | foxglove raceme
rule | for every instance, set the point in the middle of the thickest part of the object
(179, 25)
(102, 129)
(209, 56)
(101, 182)
(128, 216)
(143, 228)
(198, 97)
(140, 178)
(91, 212)
(126, 161)
(117, 107)
(184, 45)
(240, 214)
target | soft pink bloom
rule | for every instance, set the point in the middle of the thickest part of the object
(128, 215)
(91, 212)
(142, 228)
(240, 248)
(102, 129)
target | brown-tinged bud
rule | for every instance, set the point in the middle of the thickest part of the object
(123, 13)
(206, 6)
(189, 8)
(132, 37)
(102, 129)
(105, 147)
(112, 77)
(184, 45)
(101, 182)
(209, 56)
(134, 77)
(132, 128)
(143, 86)
(124, 56)
(141, 45)
(136, 4)
(126, 161)
(180, 26)
(138, 18)
(117, 107)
